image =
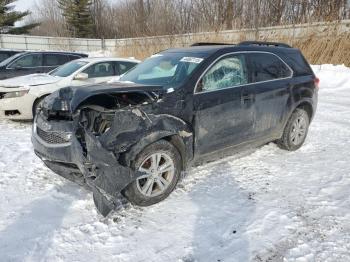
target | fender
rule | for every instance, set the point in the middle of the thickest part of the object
(132, 129)
(183, 144)
(105, 160)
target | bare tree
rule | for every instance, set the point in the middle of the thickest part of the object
(138, 18)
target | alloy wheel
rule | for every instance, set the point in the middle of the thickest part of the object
(159, 170)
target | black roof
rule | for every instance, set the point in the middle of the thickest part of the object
(208, 50)
(55, 52)
(211, 48)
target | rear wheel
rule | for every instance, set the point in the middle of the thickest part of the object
(296, 130)
(160, 163)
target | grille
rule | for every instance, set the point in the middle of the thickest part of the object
(52, 137)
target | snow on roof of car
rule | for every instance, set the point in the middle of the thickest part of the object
(102, 59)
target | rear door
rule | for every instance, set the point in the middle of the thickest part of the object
(272, 78)
(222, 119)
(122, 67)
(27, 64)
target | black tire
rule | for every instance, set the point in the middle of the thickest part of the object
(36, 105)
(291, 139)
(133, 190)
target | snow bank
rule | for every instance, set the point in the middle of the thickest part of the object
(269, 205)
(101, 53)
(332, 76)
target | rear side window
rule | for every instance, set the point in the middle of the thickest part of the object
(299, 64)
(55, 59)
(266, 67)
(123, 67)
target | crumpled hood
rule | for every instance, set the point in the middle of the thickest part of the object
(29, 80)
(74, 96)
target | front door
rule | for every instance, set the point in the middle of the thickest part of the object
(25, 65)
(223, 116)
(99, 73)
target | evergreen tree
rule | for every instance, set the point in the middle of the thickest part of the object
(8, 18)
(77, 14)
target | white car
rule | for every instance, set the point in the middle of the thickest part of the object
(20, 96)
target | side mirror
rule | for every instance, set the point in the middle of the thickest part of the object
(81, 76)
(200, 86)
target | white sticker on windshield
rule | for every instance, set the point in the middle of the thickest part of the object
(195, 60)
(156, 55)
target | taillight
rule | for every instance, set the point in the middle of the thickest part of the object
(317, 82)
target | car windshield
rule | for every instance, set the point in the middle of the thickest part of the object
(68, 69)
(167, 69)
(10, 59)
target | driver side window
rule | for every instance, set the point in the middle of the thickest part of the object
(28, 61)
(230, 71)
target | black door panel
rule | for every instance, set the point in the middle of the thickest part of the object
(270, 103)
(221, 120)
(271, 78)
(223, 117)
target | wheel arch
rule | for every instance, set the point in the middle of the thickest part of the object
(183, 144)
(36, 101)
(307, 106)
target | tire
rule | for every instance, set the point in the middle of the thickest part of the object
(295, 132)
(147, 190)
(36, 105)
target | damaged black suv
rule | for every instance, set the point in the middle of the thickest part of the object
(179, 107)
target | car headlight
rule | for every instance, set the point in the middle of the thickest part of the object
(16, 94)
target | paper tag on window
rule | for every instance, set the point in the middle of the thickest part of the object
(195, 60)
(156, 55)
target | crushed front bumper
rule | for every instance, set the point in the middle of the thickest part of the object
(99, 168)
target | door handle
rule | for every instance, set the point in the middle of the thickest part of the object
(247, 98)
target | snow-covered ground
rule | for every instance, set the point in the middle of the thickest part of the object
(270, 205)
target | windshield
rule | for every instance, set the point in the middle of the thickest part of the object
(167, 69)
(10, 59)
(68, 69)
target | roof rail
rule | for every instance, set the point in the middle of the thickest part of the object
(206, 44)
(260, 43)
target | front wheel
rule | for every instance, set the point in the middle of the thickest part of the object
(161, 165)
(296, 130)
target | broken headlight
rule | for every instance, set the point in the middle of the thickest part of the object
(64, 105)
